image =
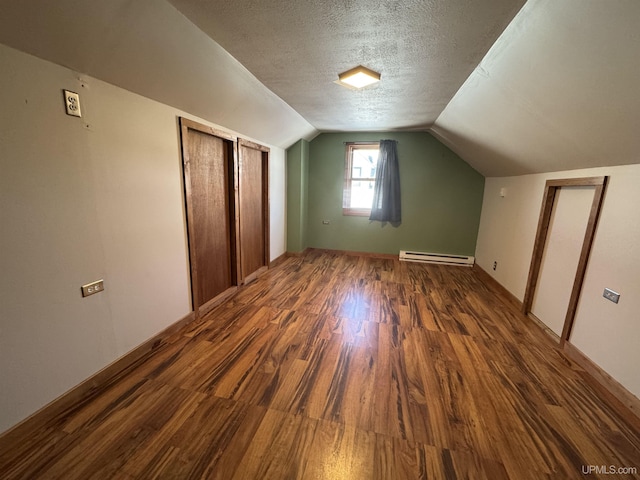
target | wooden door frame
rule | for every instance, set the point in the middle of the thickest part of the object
(265, 207)
(548, 201)
(231, 140)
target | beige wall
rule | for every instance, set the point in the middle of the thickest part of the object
(561, 255)
(278, 202)
(83, 199)
(607, 333)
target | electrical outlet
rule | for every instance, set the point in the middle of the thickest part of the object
(93, 287)
(72, 102)
(611, 295)
(326, 222)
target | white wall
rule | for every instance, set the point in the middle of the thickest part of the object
(561, 255)
(607, 333)
(150, 48)
(278, 202)
(83, 199)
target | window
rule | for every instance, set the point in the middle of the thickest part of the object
(359, 178)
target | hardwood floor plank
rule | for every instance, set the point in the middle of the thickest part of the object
(103, 450)
(342, 366)
(279, 448)
(197, 449)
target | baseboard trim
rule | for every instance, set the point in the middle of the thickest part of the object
(254, 276)
(542, 326)
(278, 260)
(354, 253)
(102, 379)
(90, 387)
(296, 254)
(617, 396)
(492, 283)
(217, 300)
(622, 400)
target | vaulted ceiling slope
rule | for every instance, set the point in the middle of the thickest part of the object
(148, 47)
(556, 90)
(559, 90)
(424, 49)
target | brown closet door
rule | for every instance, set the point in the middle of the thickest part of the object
(254, 208)
(208, 167)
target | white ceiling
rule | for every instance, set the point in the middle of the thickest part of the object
(424, 50)
(148, 47)
(557, 89)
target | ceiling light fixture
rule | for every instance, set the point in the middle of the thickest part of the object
(358, 77)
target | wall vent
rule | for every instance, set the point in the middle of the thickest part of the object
(441, 258)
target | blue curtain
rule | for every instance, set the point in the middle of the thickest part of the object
(386, 195)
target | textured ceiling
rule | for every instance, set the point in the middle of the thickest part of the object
(424, 49)
(559, 90)
(555, 89)
(148, 47)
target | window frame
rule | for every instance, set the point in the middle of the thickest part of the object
(348, 179)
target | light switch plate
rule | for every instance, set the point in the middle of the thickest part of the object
(611, 295)
(72, 102)
(93, 287)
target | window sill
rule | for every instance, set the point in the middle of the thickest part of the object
(357, 212)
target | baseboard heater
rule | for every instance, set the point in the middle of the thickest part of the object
(440, 258)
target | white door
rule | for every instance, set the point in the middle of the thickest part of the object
(561, 255)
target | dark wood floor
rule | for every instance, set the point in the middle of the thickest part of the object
(343, 367)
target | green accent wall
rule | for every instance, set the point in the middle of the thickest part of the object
(441, 199)
(297, 194)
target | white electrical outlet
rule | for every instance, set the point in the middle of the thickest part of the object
(93, 287)
(72, 102)
(611, 295)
